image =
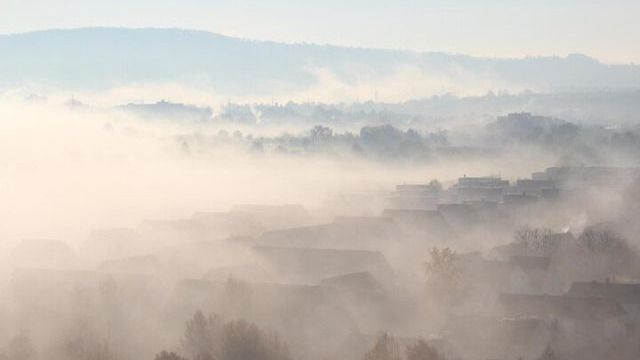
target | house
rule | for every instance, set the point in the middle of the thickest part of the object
(42, 253)
(46, 295)
(532, 186)
(561, 307)
(225, 224)
(312, 318)
(360, 285)
(480, 188)
(357, 203)
(346, 232)
(491, 337)
(628, 295)
(599, 176)
(371, 304)
(272, 217)
(516, 201)
(620, 292)
(146, 264)
(585, 323)
(171, 232)
(520, 275)
(112, 243)
(309, 266)
(414, 196)
(460, 216)
(244, 272)
(430, 223)
(548, 245)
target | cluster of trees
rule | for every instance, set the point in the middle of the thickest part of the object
(211, 338)
(598, 252)
(386, 347)
(384, 142)
(381, 142)
(605, 254)
(537, 240)
(444, 275)
(576, 143)
(582, 144)
(310, 113)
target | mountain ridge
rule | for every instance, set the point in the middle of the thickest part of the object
(103, 57)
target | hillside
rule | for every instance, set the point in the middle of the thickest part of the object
(99, 58)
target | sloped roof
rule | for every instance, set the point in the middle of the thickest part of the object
(246, 272)
(622, 293)
(343, 233)
(229, 223)
(430, 221)
(530, 263)
(308, 265)
(560, 306)
(273, 217)
(359, 284)
(146, 264)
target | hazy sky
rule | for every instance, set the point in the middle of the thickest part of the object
(606, 29)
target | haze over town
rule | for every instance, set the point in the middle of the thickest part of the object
(288, 180)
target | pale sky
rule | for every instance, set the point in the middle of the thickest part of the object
(606, 29)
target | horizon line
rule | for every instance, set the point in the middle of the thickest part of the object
(304, 43)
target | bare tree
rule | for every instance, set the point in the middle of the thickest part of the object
(602, 241)
(87, 347)
(420, 350)
(444, 276)
(164, 355)
(212, 338)
(604, 252)
(548, 354)
(535, 239)
(385, 348)
(244, 341)
(443, 265)
(201, 335)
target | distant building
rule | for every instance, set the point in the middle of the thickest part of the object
(532, 186)
(571, 308)
(429, 223)
(628, 295)
(272, 217)
(605, 176)
(481, 188)
(415, 196)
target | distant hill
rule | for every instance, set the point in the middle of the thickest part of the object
(99, 58)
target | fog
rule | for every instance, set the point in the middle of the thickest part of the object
(127, 231)
(379, 215)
